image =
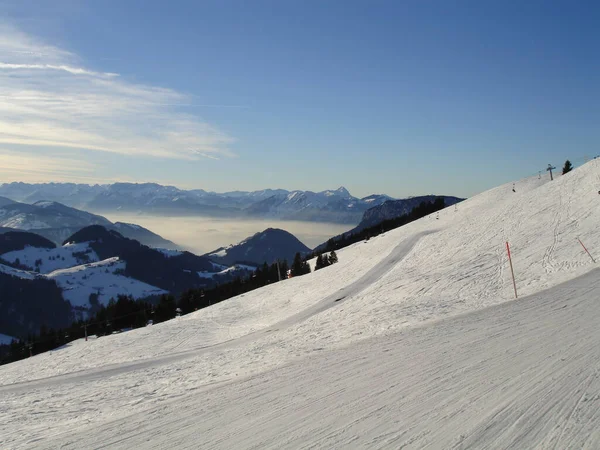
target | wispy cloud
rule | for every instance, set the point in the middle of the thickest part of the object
(49, 98)
(71, 70)
(27, 166)
(23, 166)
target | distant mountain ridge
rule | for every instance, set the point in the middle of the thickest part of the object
(11, 241)
(57, 222)
(391, 209)
(388, 210)
(336, 206)
(267, 246)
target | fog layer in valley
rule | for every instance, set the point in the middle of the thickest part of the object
(203, 234)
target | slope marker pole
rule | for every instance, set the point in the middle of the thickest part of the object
(511, 269)
(586, 250)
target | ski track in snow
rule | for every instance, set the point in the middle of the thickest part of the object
(332, 301)
(423, 347)
(488, 379)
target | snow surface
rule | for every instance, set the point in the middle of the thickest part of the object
(5, 339)
(168, 252)
(220, 253)
(16, 272)
(24, 222)
(52, 259)
(227, 271)
(45, 204)
(102, 278)
(410, 341)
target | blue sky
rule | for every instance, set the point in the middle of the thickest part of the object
(396, 97)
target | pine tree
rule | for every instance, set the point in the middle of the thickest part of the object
(165, 309)
(567, 167)
(305, 267)
(330, 244)
(283, 268)
(300, 266)
(319, 263)
(297, 265)
(333, 257)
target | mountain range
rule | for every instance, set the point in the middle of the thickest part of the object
(336, 206)
(45, 284)
(57, 222)
(388, 210)
(57, 257)
(395, 208)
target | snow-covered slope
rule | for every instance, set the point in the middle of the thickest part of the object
(24, 274)
(240, 270)
(336, 206)
(396, 208)
(169, 253)
(5, 340)
(57, 222)
(522, 373)
(46, 214)
(102, 278)
(48, 260)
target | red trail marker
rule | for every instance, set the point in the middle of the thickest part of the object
(511, 269)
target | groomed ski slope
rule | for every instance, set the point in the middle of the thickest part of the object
(456, 264)
(494, 378)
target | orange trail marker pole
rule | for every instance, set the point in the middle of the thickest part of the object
(586, 250)
(511, 269)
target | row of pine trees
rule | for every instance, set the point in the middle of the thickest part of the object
(324, 260)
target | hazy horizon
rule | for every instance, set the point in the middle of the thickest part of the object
(200, 234)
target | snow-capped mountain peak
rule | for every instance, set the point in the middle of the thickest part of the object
(157, 199)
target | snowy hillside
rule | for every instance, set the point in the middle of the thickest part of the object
(169, 253)
(235, 270)
(57, 222)
(46, 215)
(5, 340)
(394, 346)
(103, 278)
(48, 260)
(24, 274)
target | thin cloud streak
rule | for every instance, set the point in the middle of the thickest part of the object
(72, 70)
(34, 168)
(49, 99)
(20, 166)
